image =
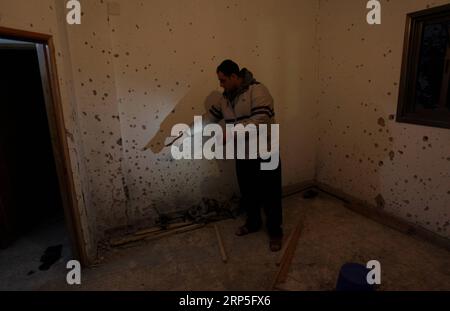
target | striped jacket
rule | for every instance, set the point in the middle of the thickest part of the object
(253, 104)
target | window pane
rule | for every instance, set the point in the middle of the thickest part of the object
(435, 39)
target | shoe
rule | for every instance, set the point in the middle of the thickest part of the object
(244, 230)
(275, 244)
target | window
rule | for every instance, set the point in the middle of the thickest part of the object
(424, 96)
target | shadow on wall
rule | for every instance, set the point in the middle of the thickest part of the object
(179, 115)
(220, 183)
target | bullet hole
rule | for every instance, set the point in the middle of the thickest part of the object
(94, 92)
(84, 113)
(425, 138)
(380, 201)
(381, 122)
(391, 117)
(116, 55)
(380, 163)
(391, 155)
(97, 118)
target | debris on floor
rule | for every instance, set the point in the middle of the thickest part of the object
(155, 233)
(52, 254)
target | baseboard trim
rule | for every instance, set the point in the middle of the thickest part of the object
(298, 187)
(360, 207)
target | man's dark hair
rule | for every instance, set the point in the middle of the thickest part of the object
(228, 67)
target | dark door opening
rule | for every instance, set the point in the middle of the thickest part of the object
(31, 192)
(40, 196)
(32, 216)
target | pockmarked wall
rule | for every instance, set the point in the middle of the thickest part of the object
(133, 69)
(140, 67)
(403, 169)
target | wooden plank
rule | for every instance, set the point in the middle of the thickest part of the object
(153, 235)
(158, 228)
(220, 241)
(288, 255)
(283, 250)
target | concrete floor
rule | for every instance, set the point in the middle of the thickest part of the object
(332, 235)
(19, 263)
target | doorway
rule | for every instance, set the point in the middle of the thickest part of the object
(37, 197)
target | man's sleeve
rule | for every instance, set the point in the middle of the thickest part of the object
(214, 112)
(261, 106)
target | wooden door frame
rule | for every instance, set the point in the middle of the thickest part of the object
(52, 96)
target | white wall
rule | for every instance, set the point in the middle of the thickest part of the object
(362, 150)
(160, 56)
(122, 76)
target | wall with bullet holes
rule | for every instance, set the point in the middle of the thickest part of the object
(142, 66)
(403, 169)
(129, 72)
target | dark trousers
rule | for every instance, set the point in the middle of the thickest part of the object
(260, 189)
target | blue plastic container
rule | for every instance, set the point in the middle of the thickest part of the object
(353, 277)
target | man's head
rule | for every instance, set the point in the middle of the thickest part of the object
(228, 74)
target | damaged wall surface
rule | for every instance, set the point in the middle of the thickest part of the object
(133, 69)
(403, 169)
(142, 66)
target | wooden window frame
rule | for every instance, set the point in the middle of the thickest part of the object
(411, 53)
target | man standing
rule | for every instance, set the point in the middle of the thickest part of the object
(246, 101)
